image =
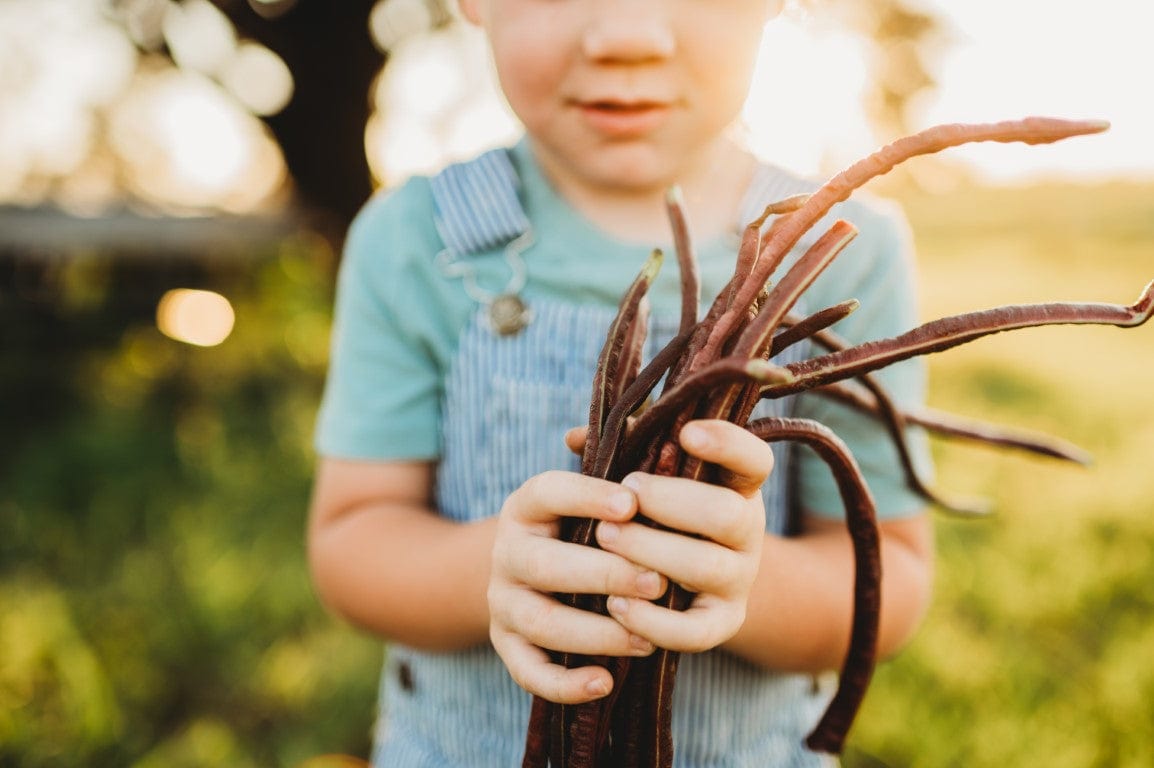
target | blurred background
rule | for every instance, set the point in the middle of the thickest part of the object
(175, 180)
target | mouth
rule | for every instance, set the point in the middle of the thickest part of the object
(623, 105)
(624, 118)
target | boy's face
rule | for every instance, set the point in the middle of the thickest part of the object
(624, 95)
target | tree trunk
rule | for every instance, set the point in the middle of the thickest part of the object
(328, 48)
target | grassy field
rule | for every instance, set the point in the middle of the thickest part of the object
(1039, 647)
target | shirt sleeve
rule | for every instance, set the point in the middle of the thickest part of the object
(877, 268)
(383, 388)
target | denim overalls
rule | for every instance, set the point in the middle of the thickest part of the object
(508, 399)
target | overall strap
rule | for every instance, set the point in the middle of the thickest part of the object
(476, 203)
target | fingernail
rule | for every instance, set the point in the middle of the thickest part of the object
(694, 437)
(649, 583)
(632, 482)
(618, 606)
(596, 687)
(621, 502)
(607, 533)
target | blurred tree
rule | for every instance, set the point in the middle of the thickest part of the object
(905, 38)
(333, 60)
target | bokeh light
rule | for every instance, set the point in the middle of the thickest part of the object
(60, 64)
(393, 21)
(199, 36)
(258, 78)
(436, 101)
(198, 317)
(184, 142)
(91, 120)
(808, 119)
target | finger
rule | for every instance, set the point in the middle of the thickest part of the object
(697, 564)
(745, 460)
(548, 623)
(533, 670)
(689, 506)
(546, 497)
(706, 624)
(575, 439)
(550, 565)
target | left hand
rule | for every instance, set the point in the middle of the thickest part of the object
(714, 547)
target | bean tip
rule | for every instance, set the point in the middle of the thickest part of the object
(653, 264)
(768, 373)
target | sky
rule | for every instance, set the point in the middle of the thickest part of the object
(1058, 58)
(1005, 59)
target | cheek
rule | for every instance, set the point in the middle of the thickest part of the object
(721, 99)
(724, 76)
(531, 74)
(523, 88)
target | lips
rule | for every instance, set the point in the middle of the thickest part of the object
(624, 118)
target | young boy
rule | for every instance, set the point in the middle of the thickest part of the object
(470, 311)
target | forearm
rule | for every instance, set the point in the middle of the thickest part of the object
(398, 570)
(801, 609)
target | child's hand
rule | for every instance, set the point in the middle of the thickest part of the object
(719, 562)
(530, 564)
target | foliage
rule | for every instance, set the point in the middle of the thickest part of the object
(154, 602)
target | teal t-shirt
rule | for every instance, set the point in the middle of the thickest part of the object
(399, 317)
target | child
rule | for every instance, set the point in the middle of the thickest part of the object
(470, 311)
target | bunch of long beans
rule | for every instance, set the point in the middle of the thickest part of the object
(719, 367)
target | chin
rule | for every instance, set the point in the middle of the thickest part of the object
(632, 170)
(622, 167)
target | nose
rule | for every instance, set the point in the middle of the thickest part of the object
(629, 30)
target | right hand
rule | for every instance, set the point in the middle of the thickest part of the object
(530, 564)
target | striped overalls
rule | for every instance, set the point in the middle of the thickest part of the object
(508, 399)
